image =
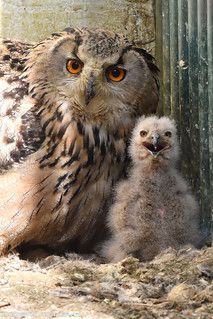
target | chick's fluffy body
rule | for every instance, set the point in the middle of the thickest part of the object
(154, 208)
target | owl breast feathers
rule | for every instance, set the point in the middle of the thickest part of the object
(67, 106)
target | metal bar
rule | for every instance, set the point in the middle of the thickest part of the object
(174, 69)
(193, 94)
(184, 87)
(203, 114)
(166, 58)
(159, 49)
(210, 94)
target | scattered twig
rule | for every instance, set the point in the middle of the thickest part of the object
(4, 304)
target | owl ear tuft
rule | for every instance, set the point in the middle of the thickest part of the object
(69, 30)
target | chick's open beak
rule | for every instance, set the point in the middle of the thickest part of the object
(156, 145)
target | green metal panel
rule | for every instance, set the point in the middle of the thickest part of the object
(184, 39)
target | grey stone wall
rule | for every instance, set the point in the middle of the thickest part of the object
(33, 20)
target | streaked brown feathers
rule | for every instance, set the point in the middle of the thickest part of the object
(61, 155)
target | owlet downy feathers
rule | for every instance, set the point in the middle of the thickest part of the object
(154, 208)
(67, 106)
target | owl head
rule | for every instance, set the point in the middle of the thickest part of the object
(99, 76)
(154, 140)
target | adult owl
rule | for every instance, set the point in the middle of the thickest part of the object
(67, 106)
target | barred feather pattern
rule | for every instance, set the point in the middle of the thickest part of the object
(60, 158)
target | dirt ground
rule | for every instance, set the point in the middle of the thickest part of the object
(176, 284)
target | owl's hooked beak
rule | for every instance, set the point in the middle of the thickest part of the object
(90, 90)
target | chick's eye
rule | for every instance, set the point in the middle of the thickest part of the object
(74, 66)
(116, 74)
(168, 134)
(143, 133)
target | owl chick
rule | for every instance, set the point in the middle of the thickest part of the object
(153, 208)
(67, 106)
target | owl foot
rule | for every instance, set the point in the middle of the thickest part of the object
(112, 251)
(5, 245)
(9, 242)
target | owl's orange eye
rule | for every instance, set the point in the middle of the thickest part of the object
(116, 74)
(74, 66)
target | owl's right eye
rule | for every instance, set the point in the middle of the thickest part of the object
(74, 66)
(115, 74)
(143, 133)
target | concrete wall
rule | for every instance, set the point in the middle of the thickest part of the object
(33, 20)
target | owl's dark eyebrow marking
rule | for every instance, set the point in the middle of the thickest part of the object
(119, 61)
(78, 39)
(75, 55)
(75, 51)
(125, 50)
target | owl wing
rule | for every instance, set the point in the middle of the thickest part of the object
(20, 132)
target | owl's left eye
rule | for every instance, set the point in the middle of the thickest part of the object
(168, 133)
(74, 66)
(115, 74)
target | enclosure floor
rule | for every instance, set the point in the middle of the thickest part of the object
(174, 285)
